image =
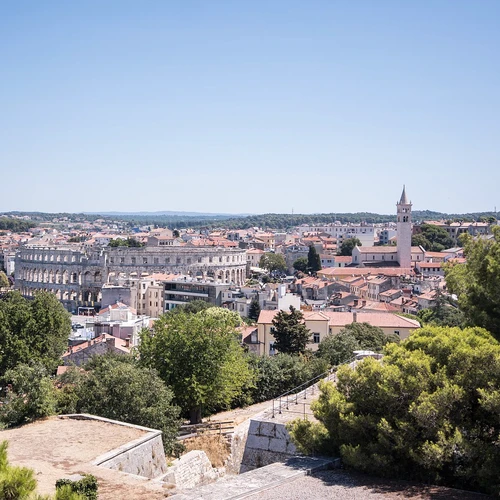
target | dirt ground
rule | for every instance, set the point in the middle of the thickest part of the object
(57, 448)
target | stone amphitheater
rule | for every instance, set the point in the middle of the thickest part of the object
(76, 274)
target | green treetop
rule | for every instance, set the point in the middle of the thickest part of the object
(428, 412)
(477, 282)
(348, 246)
(301, 264)
(290, 333)
(273, 262)
(199, 357)
(32, 330)
(313, 260)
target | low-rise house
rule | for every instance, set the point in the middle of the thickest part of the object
(324, 323)
(121, 321)
(430, 268)
(427, 299)
(103, 344)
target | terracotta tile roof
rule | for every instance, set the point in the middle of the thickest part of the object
(365, 271)
(435, 254)
(343, 258)
(380, 250)
(339, 319)
(119, 344)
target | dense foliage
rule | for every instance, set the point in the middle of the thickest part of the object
(428, 412)
(477, 282)
(348, 245)
(199, 356)
(432, 238)
(32, 330)
(87, 487)
(128, 242)
(275, 375)
(15, 225)
(301, 264)
(290, 333)
(442, 313)
(338, 349)
(27, 394)
(4, 281)
(273, 262)
(116, 387)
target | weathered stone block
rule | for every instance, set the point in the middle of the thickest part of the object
(258, 442)
(267, 429)
(278, 445)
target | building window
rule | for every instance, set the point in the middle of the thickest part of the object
(396, 332)
(122, 260)
(316, 338)
(133, 260)
(156, 260)
(144, 260)
(167, 260)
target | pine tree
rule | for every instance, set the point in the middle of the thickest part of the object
(313, 260)
(290, 333)
(254, 309)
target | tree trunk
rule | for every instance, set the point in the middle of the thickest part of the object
(195, 415)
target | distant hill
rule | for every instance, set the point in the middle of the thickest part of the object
(195, 220)
(167, 213)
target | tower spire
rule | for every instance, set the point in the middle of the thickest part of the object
(404, 199)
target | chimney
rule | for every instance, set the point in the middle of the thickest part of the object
(127, 342)
(354, 317)
(110, 341)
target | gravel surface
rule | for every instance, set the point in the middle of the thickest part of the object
(338, 484)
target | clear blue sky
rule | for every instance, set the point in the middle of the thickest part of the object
(249, 106)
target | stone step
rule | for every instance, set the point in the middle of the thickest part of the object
(249, 483)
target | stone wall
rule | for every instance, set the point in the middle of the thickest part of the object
(266, 442)
(75, 274)
(191, 470)
(144, 456)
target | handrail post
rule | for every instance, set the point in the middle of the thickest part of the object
(273, 409)
(280, 406)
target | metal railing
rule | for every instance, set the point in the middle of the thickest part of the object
(284, 401)
(220, 428)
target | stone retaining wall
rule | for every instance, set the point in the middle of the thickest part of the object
(144, 456)
(267, 442)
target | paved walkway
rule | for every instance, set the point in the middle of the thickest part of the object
(283, 410)
(245, 485)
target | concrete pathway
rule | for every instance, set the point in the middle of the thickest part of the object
(249, 483)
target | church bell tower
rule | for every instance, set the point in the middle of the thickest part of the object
(404, 230)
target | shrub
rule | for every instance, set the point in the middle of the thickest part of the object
(86, 487)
